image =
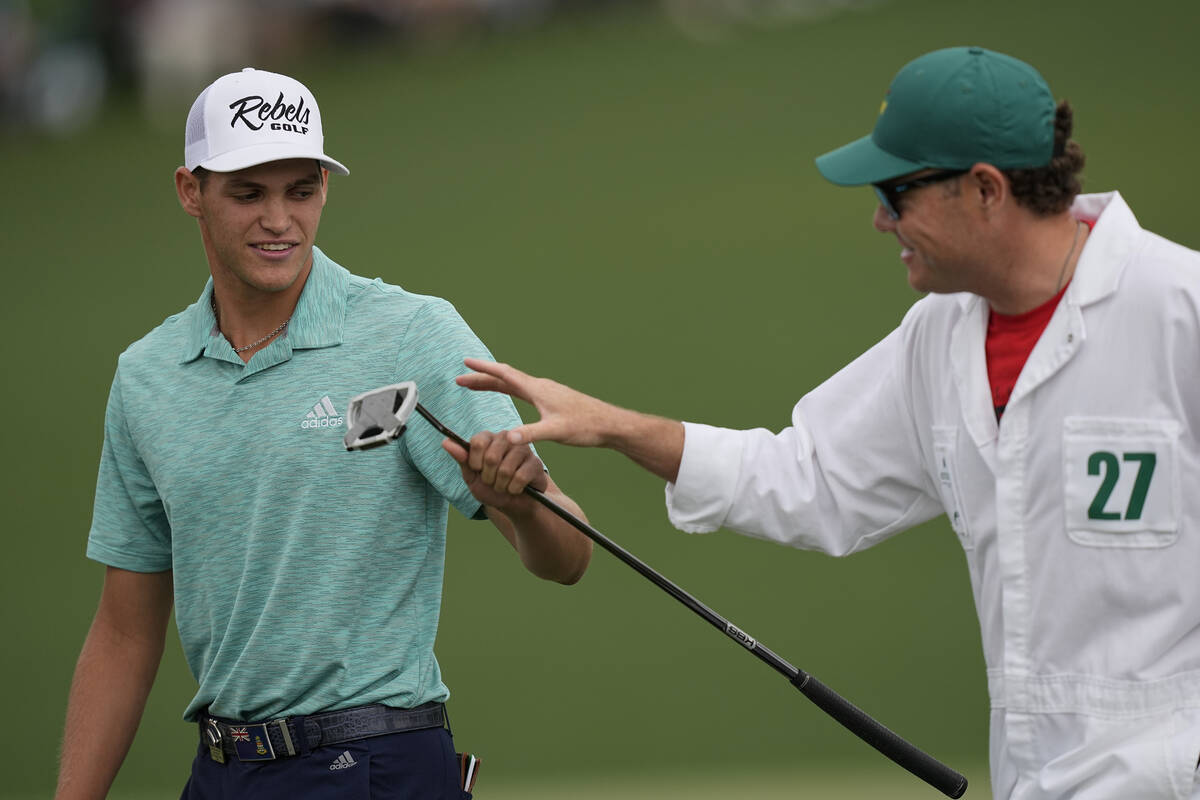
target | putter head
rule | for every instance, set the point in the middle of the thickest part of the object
(379, 416)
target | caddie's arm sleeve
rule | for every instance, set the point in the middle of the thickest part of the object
(847, 474)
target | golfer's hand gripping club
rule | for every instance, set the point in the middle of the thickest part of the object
(377, 417)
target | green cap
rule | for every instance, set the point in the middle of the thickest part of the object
(950, 109)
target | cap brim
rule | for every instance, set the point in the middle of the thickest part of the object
(862, 162)
(264, 153)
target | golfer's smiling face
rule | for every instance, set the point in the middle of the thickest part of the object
(259, 224)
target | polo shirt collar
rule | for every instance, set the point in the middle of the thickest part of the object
(318, 321)
(320, 315)
(201, 325)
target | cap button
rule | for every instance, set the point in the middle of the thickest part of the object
(247, 69)
(975, 51)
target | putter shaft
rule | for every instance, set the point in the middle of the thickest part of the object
(854, 719)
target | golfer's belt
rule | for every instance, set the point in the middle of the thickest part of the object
(292, 736)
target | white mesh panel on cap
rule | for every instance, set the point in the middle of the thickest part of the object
(196, 133)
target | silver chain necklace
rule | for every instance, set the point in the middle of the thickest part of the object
(1062, 272)
(252, 345)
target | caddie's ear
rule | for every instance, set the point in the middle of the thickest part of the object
(989, 187)
(187, 187)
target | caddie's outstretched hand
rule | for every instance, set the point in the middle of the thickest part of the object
(567, 416)
(572, 417)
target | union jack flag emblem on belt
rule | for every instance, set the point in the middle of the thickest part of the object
(239, 734)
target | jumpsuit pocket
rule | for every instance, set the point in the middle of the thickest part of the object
(1121, 479)
(1183, 753)
(945, 445)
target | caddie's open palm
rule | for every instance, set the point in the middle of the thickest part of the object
(567, 416)
(574, 418)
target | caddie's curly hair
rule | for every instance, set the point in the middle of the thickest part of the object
(1049, 190)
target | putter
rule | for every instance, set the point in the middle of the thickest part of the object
(380, 416)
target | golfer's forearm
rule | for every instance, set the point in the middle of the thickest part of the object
(108, 694)
(549, 546)
(654, 443)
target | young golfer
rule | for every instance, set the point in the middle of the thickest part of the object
(306, 581)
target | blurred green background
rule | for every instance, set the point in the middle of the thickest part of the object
(633, 211)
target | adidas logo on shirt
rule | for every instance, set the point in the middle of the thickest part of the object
(323, 415)
(344, 761)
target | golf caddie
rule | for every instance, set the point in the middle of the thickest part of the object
(1044, 396)
(306, 581)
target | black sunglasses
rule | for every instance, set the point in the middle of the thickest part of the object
(889, 193)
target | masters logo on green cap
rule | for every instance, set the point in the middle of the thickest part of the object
(950, 109)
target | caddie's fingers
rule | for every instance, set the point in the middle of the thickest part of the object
(480, 443)
(518, 382)
(497, 368)
(539, 431)
(479, 382)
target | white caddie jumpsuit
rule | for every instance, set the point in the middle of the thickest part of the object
(1079, 512)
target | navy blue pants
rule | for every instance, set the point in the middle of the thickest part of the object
(413, 765)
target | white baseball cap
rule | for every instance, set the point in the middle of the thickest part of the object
(251, 117)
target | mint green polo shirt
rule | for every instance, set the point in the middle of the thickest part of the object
(307, 578)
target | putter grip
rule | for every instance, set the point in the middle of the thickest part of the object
(862, 725)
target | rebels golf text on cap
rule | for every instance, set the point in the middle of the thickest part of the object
(252, 117)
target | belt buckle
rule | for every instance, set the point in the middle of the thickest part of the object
(252, 742)
(212, 734)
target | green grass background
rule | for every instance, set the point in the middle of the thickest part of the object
(633, 212)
